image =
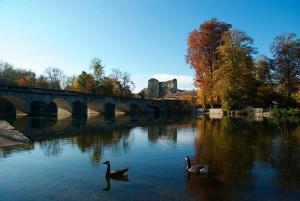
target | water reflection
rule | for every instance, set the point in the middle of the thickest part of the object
(248, 160)
(108, 179)
(96, 132)
(237, 150)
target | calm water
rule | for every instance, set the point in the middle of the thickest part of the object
(248, 160)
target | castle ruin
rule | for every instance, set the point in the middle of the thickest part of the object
(158, 89)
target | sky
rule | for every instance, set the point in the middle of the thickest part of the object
(146, 38)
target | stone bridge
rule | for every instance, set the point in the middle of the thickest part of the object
(15, 100)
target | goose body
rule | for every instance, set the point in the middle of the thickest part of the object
(198, 169)
(114, 173)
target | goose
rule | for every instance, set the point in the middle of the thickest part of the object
(114, 173)
(202, 169)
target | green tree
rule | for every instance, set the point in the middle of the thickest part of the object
(97, 69)
(264, 78)
(8, 75)
(235, 77)
(286, 53)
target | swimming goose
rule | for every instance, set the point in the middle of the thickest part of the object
(202, 169)
(114, 173)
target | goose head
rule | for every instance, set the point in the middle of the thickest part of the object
(106, 163)
(188, 161)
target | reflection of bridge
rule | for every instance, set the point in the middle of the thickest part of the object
(38, 102)
(93, 132)
(156, 126)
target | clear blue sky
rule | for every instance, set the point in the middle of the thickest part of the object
(144, 37)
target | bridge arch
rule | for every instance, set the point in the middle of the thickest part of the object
(94, 108)
(12, 106)
(121, 109)
(59, 107)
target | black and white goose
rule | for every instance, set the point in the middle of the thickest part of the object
(199, 169)
(114, 173)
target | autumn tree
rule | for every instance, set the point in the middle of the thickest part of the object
(85, 82)
(235, 76)
(26, 78)
(72, 84)
(42, 82)
(203, 56)
(286, 53)
(55, 77)
(110, 87)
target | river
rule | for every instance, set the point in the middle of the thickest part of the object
(248, 159)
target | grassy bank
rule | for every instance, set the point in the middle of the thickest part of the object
(285, 112)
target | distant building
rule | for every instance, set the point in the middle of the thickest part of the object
(158, 89)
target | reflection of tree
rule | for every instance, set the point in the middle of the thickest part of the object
(231, 146)
(118, 139)
(287, 158)
(162, 131)
(52, 146)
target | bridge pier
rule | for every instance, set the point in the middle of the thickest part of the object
(38, 108)
(109, 109)
(79, 109)
(134, 109)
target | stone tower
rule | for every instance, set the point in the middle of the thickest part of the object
(153, 88)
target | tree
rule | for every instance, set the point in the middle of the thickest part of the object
(263, 69)
(235, 77)
(124, 78)
(42, 82)
(97, 70)
(286, 53)
(72, 84)
(8, 75)
(110, 87)
(26, 78)
(203, 56)
(85, 82)
(55, 77)
(264, 79)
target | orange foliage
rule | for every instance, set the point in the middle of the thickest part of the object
(203, 56)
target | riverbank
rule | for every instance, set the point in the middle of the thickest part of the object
(250, 112)
(9, 136)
